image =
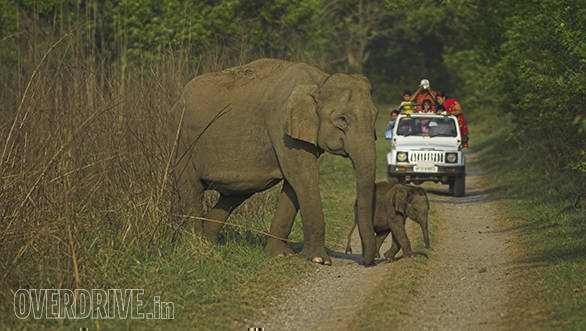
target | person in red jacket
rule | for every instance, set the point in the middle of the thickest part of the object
(453, 107)
(424, 92)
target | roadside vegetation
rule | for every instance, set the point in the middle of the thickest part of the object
(85, 87)
(546, 215)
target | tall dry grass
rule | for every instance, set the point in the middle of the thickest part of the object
(82, 140)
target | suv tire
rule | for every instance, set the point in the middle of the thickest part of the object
(458, 186)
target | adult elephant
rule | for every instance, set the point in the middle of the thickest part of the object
(247, 128)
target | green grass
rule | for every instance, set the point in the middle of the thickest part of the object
(550, 230)
(213, 286)
(83, 205)
(548, 219)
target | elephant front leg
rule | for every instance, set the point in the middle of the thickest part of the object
(397, 224)
(283, 222)
(313, 227)
(299, 167)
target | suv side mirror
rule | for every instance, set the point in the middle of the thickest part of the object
(389, 134)
(464, 138)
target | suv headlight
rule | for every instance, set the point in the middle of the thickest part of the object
(451, 157)
(401, 156)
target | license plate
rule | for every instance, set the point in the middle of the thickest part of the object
(425, 166)
(424, 169)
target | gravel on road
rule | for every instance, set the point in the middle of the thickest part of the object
(467, 285)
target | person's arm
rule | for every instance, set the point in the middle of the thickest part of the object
(432, 93)
(435, 105)
(439, 108)
(414, 95)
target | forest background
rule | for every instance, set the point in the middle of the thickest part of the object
(525, 59)
(85, 87)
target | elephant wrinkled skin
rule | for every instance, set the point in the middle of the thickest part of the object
(393, 204)
(250, 127)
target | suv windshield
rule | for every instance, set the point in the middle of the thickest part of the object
(427, 126)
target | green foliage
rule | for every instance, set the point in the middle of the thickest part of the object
(528, 59)
(148, 27)
(280, 27)
(546, 214)
(524, 59)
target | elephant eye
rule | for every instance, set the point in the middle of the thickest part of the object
(341, 122)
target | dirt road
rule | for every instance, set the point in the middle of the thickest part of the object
(467, 283)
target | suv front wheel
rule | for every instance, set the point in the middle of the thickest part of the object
(458, 186)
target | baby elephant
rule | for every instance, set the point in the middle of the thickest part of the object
(394, 203)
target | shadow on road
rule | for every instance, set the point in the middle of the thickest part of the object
(355, 257)
(472, 196)
(358, 257)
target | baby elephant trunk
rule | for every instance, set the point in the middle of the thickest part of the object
(425, 230)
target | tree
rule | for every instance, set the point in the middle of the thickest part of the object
(354, 25)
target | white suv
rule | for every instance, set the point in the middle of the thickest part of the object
(427, 147)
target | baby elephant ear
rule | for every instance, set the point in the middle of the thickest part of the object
(401, 198)
(302, 121)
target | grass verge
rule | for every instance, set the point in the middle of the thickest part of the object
(211, 285)
(83, 198)
(546, 213)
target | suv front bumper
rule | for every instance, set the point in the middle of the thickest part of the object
(444, 173)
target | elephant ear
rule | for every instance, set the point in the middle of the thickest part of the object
(302, 121)
(400, 198)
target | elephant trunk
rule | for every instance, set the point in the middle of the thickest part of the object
(362, 153)
(425, 230)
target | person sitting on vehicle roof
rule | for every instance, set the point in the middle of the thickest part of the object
(454, 107)
(394, 115)
(424, 92)
(426, 107)
(408, 106)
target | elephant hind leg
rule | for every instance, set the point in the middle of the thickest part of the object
(190, 202)
(380, 238)
(349, 239)
(225, 205)
(283, 222)
(189, 190)
(390, 254)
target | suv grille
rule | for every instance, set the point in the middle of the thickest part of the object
(436, 157)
